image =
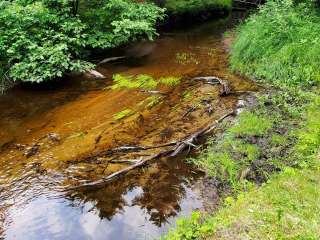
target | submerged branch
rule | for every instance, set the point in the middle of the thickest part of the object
(212, 80)
(178, 147)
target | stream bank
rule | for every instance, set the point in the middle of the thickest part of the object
(270, 156)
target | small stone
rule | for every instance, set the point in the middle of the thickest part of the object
(54, 137)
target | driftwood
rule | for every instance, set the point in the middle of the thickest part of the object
(115, 175)
(212, 80)
(95, 74)
(178, 148)
(111, 59)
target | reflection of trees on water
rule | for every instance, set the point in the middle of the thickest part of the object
(162, 189)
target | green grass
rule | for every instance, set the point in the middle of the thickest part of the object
(178, 7)
(251, 124)
(281, 43)
(285, 207)
(263, 213)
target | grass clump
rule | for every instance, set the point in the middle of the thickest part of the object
(251, 124)
(142, 81)
(179, 7)
(280, 43)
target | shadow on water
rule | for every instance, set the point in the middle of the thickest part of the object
(140, 205)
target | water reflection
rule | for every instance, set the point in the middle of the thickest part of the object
(140, 206)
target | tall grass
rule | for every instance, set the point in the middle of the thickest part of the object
(281, 43)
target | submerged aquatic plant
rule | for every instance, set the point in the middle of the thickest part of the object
(123, 114)
(142, 81)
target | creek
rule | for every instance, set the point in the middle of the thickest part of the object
(61, 134)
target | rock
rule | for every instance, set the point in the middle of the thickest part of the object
(31, 151)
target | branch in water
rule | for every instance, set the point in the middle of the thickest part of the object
(178, 148)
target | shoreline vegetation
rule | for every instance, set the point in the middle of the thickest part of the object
(43, 40)
(268, 160)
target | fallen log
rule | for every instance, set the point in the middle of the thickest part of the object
(178, 148)
(212, 80)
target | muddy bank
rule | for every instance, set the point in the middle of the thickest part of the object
(61, 136)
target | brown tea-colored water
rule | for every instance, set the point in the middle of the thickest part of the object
(61, 135)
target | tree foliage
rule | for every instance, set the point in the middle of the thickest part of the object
(43, 39)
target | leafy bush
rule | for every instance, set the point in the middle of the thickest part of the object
(37, 44)
(115, 22)
(281, 43)
(43, 39)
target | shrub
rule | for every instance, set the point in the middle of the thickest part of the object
(43, 39)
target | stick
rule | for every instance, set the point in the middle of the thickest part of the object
(212, 80)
